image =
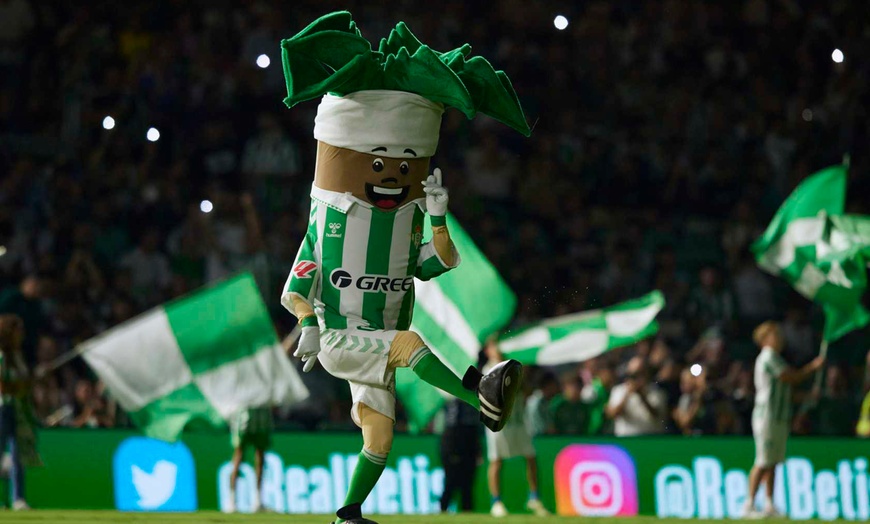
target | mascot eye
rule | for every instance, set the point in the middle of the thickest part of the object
(404, 168)
(377, 165)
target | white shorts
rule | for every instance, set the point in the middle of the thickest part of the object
(360, 357)
(512, 441)
(770, 442)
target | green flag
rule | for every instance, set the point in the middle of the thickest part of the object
(581, 336)
(454, 314)
(195, 361)
(819, 251)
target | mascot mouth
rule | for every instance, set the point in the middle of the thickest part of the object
(386, 197)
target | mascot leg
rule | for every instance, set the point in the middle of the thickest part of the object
(377, 430)
(493, 395)
(408, 350)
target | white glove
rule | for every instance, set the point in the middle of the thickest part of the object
(308, 347)
(436, 196)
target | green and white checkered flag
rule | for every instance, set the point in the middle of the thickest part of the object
(819, 251)
(196, 361)
(582, 336)
(454, 313)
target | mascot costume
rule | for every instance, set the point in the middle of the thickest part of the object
(352, 283)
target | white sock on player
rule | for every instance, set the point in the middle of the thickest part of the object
(231, 504)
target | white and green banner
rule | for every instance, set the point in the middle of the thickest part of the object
(196, 361)
(820, 251)
(454, 314)
(582, 336)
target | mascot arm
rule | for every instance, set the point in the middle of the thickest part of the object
(302, 284)
(437, 256)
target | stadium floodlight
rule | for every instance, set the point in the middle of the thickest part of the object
(206, 206)
(263, 61)
(695, 370)
(153, 135)
(560, 22)
(108, 123)
(2, 250)
(837, 56)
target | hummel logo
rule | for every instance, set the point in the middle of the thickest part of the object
(335, 228)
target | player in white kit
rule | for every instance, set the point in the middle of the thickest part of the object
(771, 416)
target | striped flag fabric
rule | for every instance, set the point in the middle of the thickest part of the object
(821, 252)
(582, 336)
(197, 361)
(454, 313)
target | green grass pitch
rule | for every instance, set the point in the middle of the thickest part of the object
(210, 517)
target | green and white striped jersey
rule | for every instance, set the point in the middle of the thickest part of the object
(357, 264)
(772, 396)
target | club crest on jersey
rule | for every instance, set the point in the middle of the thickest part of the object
(304, 268)
(334, 230)
(417, 235)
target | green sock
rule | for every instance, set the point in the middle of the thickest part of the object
(433, 371)
(366, 474)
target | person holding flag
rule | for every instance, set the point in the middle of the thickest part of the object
(251, 427)
(352, 283)
(771, 416)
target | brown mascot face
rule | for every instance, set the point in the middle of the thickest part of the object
(385, 182)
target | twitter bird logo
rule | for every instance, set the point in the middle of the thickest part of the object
(154, 488)
(152, 475)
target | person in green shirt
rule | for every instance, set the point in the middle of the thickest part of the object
(569, 413)
(595, 394)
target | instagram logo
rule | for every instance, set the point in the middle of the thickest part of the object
(595, 481)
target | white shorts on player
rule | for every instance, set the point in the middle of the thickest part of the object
(770, 442)
(513, 441)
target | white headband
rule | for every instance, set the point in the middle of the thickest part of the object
(365, 120)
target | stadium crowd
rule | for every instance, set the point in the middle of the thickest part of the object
(666, 134)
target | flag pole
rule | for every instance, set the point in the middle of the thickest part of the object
(291, 338)
(823, 352)
(811, 401)
(44, 369)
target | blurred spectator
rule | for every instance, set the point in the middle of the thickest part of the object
(461, 453)
(754, 293)
(568, 411)
(690, 408)
(800, 342)
(24, 302)
(835, 411)
(90, 409)
(539, 417)
(710, 303)
(637, 406)
(149, 269)
(270, 163)
(595, 395)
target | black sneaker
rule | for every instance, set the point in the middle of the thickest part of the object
(497, 391)
(352, 514)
